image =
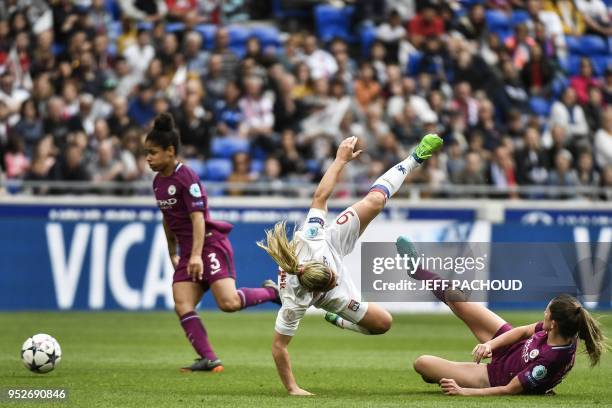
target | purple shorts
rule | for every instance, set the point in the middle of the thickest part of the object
(218, 258)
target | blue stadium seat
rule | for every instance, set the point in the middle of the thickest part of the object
(519, 17)
(414, 61)
(267, 35)
(197, 166)
(114, 30)
(503, 33)
(558, 86)
(571, 65)
(367, 37)
(238, 35)
(539, 106)
(226, 147)
(600, 63)
(497, 20)
(281, 12)
(592, 45)
(218, 169)
(112, 6)
(333, 22)
(208, 32)
(257, 166)
(573, 44)
(174, 27)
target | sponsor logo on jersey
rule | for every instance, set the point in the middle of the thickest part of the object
(198, 204)
(166, 204)
(316, 220)
(525, 353)
(195, 191)
(539, 372)
(353, 305)
(171, 189)
(283, 278)
(534, 353)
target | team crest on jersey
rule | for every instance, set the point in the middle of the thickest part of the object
(353, 305)
(172, 189)
(534, 353)
(539, 372)
(195, 191)
(312, 232)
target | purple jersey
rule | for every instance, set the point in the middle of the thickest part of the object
(539, 366)
(180, 194)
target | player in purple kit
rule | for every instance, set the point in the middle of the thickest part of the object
(205, 257)
(530, 359)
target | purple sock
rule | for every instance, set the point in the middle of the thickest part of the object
(255, 296)
(196, 333)
(424, 274)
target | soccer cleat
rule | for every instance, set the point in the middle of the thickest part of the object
(406, 247)
(204, 364)
(332, 318)
(430, 144)
(269, 283)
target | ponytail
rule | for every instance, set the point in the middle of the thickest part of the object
(312, 275)
(590, 332)
(573, 319)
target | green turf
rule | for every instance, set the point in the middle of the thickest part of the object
(132, 360)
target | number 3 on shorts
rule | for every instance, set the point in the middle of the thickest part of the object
(215, 266)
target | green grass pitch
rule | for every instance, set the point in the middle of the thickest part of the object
(132, 359)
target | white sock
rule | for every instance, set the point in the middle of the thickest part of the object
(390, 182)
(345, 324)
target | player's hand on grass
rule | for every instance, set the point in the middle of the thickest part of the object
(345, 151)
(481, 351)
(299, 392)
(175, 260)
(195, 268)
(450, 387)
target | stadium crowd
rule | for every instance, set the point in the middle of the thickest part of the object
(520, 90)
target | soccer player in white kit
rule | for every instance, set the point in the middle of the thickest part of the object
(311, 272)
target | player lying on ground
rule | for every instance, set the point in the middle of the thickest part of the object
(527, 359)
(311, 268)
(205, 258)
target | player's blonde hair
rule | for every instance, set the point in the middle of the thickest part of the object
(313, 276)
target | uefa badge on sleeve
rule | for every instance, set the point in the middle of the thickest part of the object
(195, 191)
(538, 372)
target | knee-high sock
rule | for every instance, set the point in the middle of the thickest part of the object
(392, 180)
(196, 333)
(254, 296)
(345, 324)
(424, 274)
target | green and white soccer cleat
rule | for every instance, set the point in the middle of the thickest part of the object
(406, 247)
(331, 317)
(430, 143)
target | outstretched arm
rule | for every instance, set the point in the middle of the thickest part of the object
(450, 387)
(283, 364)
(326, 186)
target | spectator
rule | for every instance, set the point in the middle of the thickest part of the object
(502, 171)
(593, 109)
(473, 26)
(320, 62)
(563, 175)
(144, 10)
(472, 174)
(596, 17)
(391, 33)
(129, 154)
(559, 140)
(241, 173)
(10, 94)
(16, 162)
(571, 19)
(29, 126)
(550, 23)
(427, 23)
(106, 167)
(607, 86)
(537, 73)
(139, 55)
(272, 176)
(196, 60)
(606, 183)
(291, 159)
(603, 140)
(229, 59)
(587, 175)
(519, 45)
(257, 111)
(465, 103)
(567, 113)
(70, 167)
(193, 125)
(532, 160)
(43, 161)
(140, 109)
(367, 88)
(585, 80)
(228, 114)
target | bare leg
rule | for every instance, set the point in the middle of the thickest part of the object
(481, 321)
(376, 320)
(368, 208)
(225, 294)
(186, 296)
(470, 375)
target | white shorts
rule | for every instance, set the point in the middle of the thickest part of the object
(344, 299)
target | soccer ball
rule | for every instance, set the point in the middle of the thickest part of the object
(41, 353)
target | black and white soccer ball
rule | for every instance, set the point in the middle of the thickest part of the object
(41, 353)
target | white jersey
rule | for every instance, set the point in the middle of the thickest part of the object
(318, 241)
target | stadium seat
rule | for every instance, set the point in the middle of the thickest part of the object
(174, 27)
(218, 169)
(539, 106)
(112, 7)
(573, 44)
(503, 33)
(208, 32)
(281, 12)
(367, 37)
(414, 61)
(267, 35)
(313, 166)
(333, 22)
(558, 86)
(197, 166)
(257, 166)
(226, 147)
(238, 35)
(600, 63)
(519, 17)
(497, 20)
(571, 65)
(114, 30)
(592, 45)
